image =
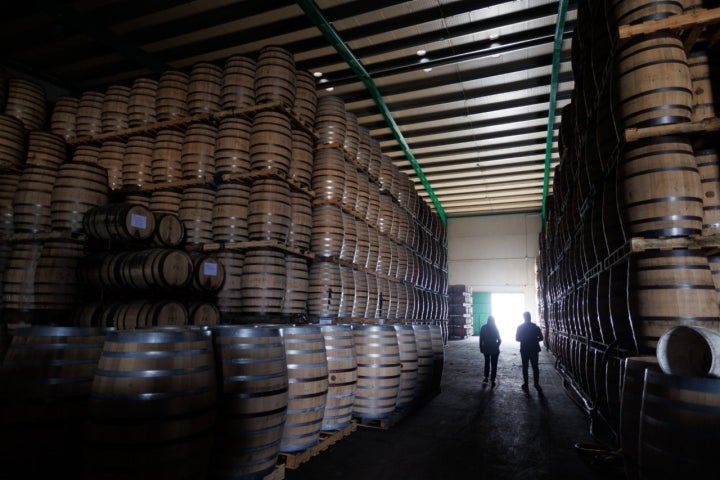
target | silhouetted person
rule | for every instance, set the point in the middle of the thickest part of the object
(529, 335)
(490, 347)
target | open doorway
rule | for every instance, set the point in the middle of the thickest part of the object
(507, 308)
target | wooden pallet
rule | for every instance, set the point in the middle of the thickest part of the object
(277, 474)
(327, 439)
(387, 422)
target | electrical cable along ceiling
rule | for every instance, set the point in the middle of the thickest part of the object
(467, 82)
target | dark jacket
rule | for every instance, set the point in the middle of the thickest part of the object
(529, 335)
(489, 339)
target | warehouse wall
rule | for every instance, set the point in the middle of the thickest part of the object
(495, 254)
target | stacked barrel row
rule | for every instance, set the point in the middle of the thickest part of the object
(379, 250)
(254, 173)
(134, 274)
(603, 301)
(214, 402)
(44, 192)
(460, 317)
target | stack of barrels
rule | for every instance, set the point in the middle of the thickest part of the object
(195, 402)
(378, 250)
(604, 303)
(45, 192)
(140, 278)
(460, 316)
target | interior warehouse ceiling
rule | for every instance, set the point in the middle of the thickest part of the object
(473, 110)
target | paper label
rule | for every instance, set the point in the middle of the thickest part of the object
(210, 269)
(138, 221)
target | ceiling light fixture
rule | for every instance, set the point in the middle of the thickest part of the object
(420, 52)
(317, 74)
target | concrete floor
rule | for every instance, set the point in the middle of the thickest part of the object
(471, 431)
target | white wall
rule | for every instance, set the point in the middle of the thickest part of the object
(495, 254)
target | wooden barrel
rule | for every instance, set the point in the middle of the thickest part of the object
(198, 151)
(165, 201)
(12, 143)
(78, 188)
(305, 106)
(363, 192)
(203, 313)
(330, 123)
(32, 211)
(252, 401)
(350, 192)
(19, 277)
(204, 88)
(373, 208)
(269, 210)
(145, 313)
(654, 81)
(196, 213)
(301, 167)
(360, 294)
(137, 164)
(171, 95)
(679, 424)
(628, 12)
(26, 101)
(426, 359)
(349, 240)
(45, 149)
(156, 268)
(662, 193)
(153, 398)
(297, 283)
(362, 243)
(238, 87)
(166, 165)
(690, 350)
(63, 116)
(326, 238)
(47, 376)
(347, 295)
(111, 157)
(56, 286)
(375, 159)
(119, 221)
(307, 367)
(351, 143)
(709, 169)
(141, 108)
(324, 290)
(89, 112)
(342, 376)
(169, 230)
(407, 345)
(275, 76)
(373, 294)
(232, 146)
(328, 180)
(229, 297)
(230, 213)
(703, 84)
(271, 141)
(630, 407)
(673, 287)
(8, 186)
(263, 282)
(379, 370)
(301, 220)
(208, 272)
(114, 113)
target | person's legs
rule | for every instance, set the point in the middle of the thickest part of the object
(493, 365)
(525, 360)
(487, 368)
(535, 369)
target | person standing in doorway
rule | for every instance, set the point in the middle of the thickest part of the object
(529, 335)
(490, 348)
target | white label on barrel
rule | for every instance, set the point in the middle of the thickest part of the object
(138, 221)
(210, 269)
